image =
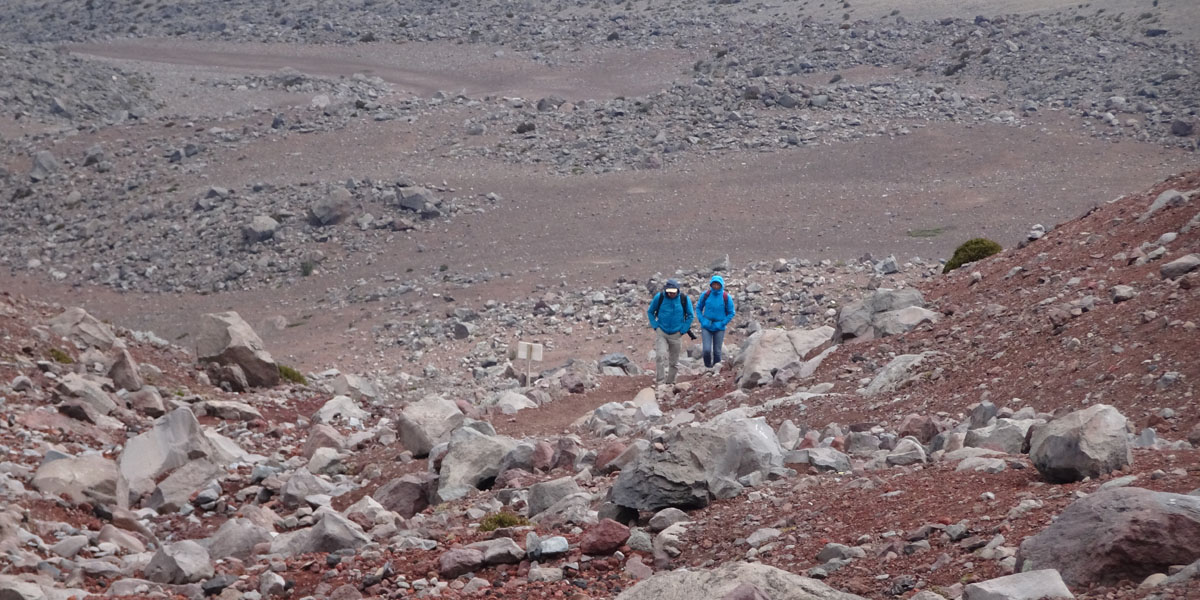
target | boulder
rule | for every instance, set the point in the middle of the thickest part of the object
(459, 561)
(322, 436)
(90, 478)
(1086, 443)
(674, 477)
(124, 372)
(1180, 266)
(698, 464)
(340, 408)
(1114, 534)
(237, 538)
(358, 388)
(1005, 435)
(768, 350)
(407, 495)
(885, 312)
(1032, 585)
(472, 462)
(334, 208)
(688, 584)
(543, 495)
(226, 339)
(176, 490)
(896, 373)
(87, 391)
(260, 229)
(230, 410)
(500, 551)
(603, 538)
(332, 533)
(510, 402)
(83, 330)
(427, 423)
(179, 563)
(301, 485)
(907, 452)
(822, 459)
(173, 441)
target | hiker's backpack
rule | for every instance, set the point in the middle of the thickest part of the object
(704, 298)
(658, 300)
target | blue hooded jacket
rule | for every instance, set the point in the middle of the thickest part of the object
(669, 314)
(718, 308)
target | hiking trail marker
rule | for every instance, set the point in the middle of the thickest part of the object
(530, 352)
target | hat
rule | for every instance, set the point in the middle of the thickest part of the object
(672, 287)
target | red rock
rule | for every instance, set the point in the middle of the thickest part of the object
(921, 427)
(605, 537)
(515, 478)
(839, 444)
(636, 569)
(608, 454)
(543, 456)
(811, 439)
(459, 561)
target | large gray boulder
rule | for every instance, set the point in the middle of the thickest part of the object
(698, 464)
(1114, 534)
(301, 485)
(428, 422)
(776, 584)
(176, 490)
(179, 563)
(237, 538)
(769, 350)
(543, 495)
(335, 207)
(472, 462)
(90, 478)
(1033, 585)
(896, 373)
(74, 385)
(226, 339)
(124, 372)
(1005, 435)
(332, 533)
(83, 329)
(885, 312)
(1086, 443)
(175, 439)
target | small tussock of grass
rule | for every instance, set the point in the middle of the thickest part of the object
(292, 375)
(971, 251)
(931, 232)
(501, 520)
(61, 357)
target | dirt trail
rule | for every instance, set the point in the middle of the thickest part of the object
(421, 69)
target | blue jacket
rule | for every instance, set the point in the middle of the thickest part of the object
(673, 316)
(718, 308)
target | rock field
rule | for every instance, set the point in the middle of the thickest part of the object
(264, 267)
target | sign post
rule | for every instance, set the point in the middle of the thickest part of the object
(530, 352)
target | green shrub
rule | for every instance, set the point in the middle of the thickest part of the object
(306, 268)
(61, 357)
(292, 375)
(971, 251)
(500, 520)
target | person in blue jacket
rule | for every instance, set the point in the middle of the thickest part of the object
(714, 310)
(670, 316)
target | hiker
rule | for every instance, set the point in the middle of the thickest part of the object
(714, 311)
(671, 316)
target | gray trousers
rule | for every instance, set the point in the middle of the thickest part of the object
(666, 356)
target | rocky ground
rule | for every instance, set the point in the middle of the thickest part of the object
(265, 269)
(839, 448)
